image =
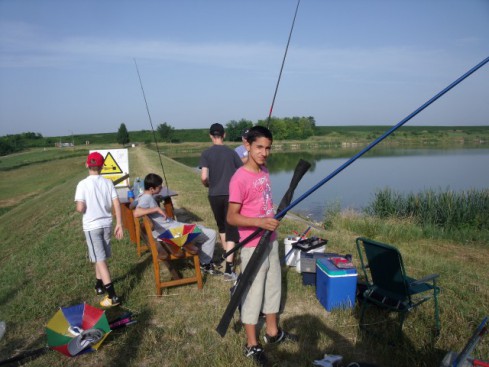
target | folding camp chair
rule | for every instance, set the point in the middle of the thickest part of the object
(388, 286)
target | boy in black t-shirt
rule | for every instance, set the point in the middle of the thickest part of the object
(218, 164)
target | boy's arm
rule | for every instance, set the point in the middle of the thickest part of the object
(81, 207)
(236, 219)
(139, 212)
(118, 231)
(204, 176)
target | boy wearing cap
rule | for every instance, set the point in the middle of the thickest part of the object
(95, 197)
(218, 164)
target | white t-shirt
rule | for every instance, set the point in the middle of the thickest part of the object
(97, 193)
(242, 152)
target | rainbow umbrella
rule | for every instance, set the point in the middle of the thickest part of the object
(69, 322)
(180, 235)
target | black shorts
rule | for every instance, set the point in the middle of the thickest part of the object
(219, 206)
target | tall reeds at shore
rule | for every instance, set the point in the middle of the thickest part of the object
(446, 210)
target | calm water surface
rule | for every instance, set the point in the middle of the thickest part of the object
(402, 170)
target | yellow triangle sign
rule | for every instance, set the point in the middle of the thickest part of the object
(110, 165)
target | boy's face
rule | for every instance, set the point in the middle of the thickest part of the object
(155, 190)
(259, 150)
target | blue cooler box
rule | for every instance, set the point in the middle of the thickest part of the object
(335, 287)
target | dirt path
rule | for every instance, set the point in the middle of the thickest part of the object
(139, 162)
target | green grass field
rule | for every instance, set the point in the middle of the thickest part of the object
(43, 265)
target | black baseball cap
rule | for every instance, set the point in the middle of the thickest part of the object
(216, 130)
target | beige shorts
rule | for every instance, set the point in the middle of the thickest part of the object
(265, 291)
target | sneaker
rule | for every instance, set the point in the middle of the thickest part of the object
(209, 269)
(110, 302)
(281, 337)
(99, 290)
(230, 277)
(256, 353)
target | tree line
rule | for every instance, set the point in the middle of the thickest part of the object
(288, 128)
(17, 142)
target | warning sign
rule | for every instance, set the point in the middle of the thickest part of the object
(110, 165)
(116, 164)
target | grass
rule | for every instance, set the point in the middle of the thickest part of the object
(38, 155)
(43, 266)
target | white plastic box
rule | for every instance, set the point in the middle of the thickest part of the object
(294, 257)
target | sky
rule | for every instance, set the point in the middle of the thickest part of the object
(69, 67)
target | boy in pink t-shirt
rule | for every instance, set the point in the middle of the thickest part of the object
(251, 207)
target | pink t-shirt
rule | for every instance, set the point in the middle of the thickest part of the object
(254, 192)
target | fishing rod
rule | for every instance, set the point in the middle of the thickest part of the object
(282, 67)
(281, 214)
(382, 137)
(151, 123)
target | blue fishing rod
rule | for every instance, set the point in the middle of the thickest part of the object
(281, 213)
(378, 140)
(246, 278)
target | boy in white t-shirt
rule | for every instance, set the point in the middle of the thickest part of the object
(95, 197)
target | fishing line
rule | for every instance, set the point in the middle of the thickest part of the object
(151, 123)
(282, 67)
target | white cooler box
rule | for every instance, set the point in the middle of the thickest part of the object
(295, 255)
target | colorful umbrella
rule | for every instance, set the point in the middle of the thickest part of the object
(180, 235)
(82, 324)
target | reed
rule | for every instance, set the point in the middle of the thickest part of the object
(448, 211)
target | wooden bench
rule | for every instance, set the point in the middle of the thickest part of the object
(140, 237)
(161, 255)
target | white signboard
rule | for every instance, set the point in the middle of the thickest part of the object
(116, 164)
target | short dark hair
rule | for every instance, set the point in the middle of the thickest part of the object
(258, 132)
(216, 130)
(152, 180)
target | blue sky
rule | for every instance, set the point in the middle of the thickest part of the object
(67, 67)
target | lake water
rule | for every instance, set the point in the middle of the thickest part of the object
(402, 170)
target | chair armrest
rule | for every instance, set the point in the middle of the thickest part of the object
(427, 278)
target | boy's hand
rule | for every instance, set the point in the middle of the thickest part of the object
(270, 224)
(162, 212)
(118, 232)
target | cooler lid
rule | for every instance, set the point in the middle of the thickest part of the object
(327, 267)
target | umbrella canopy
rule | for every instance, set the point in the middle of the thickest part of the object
(73, 322)
(180, 235)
